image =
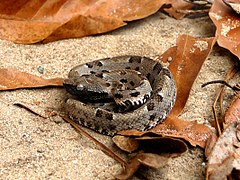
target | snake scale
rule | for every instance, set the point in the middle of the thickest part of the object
(120, 93)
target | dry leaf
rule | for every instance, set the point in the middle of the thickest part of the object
(185, 65)
(177, 5)
(146, 159)
(30, 21)
(155, 145)
(210, 144)
(126, 143)
(158, 145)
(185, 62)
(233, 112)
(152, 152)
(234, 4)
(225, 154)
(13, 79)
(228, 26)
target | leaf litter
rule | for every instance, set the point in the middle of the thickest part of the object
(29, 22)
(45, 24)
(167, 132)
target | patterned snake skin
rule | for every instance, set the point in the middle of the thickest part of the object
(119, 93)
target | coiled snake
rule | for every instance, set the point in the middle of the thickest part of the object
(119, 93)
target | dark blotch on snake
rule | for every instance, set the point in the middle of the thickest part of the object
(82, 120)
(135, 59)
(135, 94)
(153, 80)
(100, 75)
(137, 68)
(127, 67)
(160, 98)
(89, 65)
(157, 66)
(112, 127)
(130, 60)
(99, 113)
(150, 106)
(108, 84)
(123, 80)
(123, 73)
(99, 63)
(109, 116)
(119, 86)
(92, 72)
(132, 83)
(167, 73)
(152, 117)
(127, 103)
(105, 71)
(85, 75)
(146, 96)
(118, 95)
(148, 76)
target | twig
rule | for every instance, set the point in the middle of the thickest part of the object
(230, 74)
(234, 88)
(219, 95)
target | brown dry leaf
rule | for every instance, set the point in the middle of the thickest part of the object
(177, 5)
(153, 152)
(155, 145)
(158, 145)
(27, 22)
(234, 4)
(233, 112)
(36, 109)
(225, 154)
(126, 143)
(185, 62)
(146, 159)
(13, 79)
(227, 22)
(210, 144)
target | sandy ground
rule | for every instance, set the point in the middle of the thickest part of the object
(37, 148)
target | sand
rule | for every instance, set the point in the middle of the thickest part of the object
(36, 148)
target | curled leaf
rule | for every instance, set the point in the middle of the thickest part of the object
(126, 143)
(152, 152)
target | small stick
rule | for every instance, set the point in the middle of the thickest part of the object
(235, 88)
(219, 96)
(230, 74)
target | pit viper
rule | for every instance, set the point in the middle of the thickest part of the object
(120, 93)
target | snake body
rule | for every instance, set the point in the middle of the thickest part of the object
(144, 92)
